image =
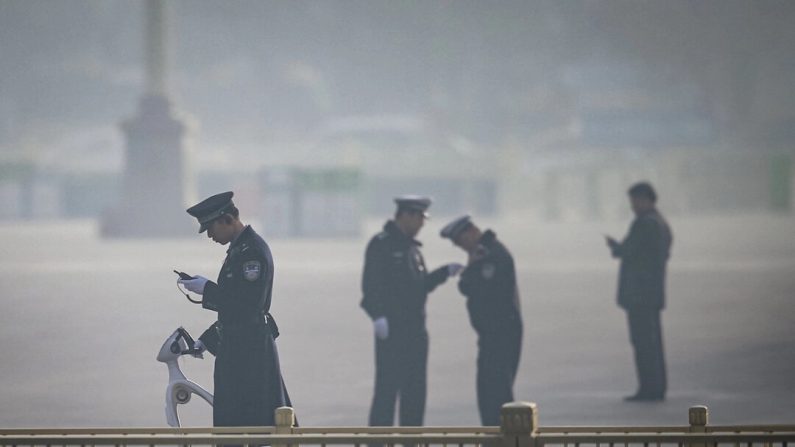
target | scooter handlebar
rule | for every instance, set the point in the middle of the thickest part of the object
(183, 334)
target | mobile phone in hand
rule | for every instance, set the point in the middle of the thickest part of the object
(183, 275)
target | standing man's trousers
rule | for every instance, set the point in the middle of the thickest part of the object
(645, 333)
(401, 364)
(498, 362)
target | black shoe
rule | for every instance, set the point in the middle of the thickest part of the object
(643, 397)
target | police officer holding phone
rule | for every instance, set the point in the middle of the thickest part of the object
(247, 379)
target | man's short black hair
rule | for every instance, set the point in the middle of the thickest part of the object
(643, 189)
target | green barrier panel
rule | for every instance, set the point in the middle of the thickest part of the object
(16, 171)
(781, 182)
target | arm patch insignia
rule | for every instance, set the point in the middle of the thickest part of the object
(252, 270)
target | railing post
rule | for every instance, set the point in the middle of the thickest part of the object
(519, 424)
(285, 421)
(698, 416)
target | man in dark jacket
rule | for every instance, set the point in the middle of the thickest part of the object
(248, 380)
(396, 284)
(644, 254)
(489, 283)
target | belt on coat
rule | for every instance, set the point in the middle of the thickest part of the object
(265, 319)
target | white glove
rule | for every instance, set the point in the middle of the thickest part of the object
(195, 285)
(198, 349)
(381, 326)
(454, 268)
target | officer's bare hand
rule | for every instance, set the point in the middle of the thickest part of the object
(195, 284)
(454, 269)
(381, 326)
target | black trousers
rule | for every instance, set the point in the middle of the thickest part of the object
(498, 361)
(645, 333)
(401, 365)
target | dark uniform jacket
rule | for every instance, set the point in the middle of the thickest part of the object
(396, 282)
(644, 254)
(489, 283)
(248, 382)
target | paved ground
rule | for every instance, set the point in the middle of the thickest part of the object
(82, 320)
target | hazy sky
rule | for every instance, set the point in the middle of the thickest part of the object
(250, 71)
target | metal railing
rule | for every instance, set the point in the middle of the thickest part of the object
(519, 428)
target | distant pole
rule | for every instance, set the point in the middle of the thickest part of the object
(156, 46)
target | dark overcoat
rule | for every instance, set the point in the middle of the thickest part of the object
(489, 283)
(644, 254)
(395, 282)
(247, 378)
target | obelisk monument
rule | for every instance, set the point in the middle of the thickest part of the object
(155, 178)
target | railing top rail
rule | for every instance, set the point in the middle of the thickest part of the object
(180, 439)
(564, 429)
(519, 427)
(246, 430)
(549, 430)
(665, 429)
(665, 438)
(399, 430)
(750, 428)
(541, 439)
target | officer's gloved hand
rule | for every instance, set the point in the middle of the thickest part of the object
(381, 326)
(195, 284)
(198, 349)
(454, 268)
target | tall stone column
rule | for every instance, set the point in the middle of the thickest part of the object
(155, 180)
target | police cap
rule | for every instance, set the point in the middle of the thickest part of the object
(413, 203)
(456, 227)
(211, 208)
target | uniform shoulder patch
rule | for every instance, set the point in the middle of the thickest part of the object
(488, 270)
(252, 270)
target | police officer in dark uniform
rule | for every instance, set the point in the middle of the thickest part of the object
(396, 284)
(248, 381)
(644, 254)
(489, 284)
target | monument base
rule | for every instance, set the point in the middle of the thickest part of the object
(154, 183)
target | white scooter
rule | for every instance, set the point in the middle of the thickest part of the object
(179, 388)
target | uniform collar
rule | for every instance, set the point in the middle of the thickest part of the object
(392, 229)
(240, 237)
(488, 237)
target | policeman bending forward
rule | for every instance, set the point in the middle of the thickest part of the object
(247, 379)
(489, 283)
